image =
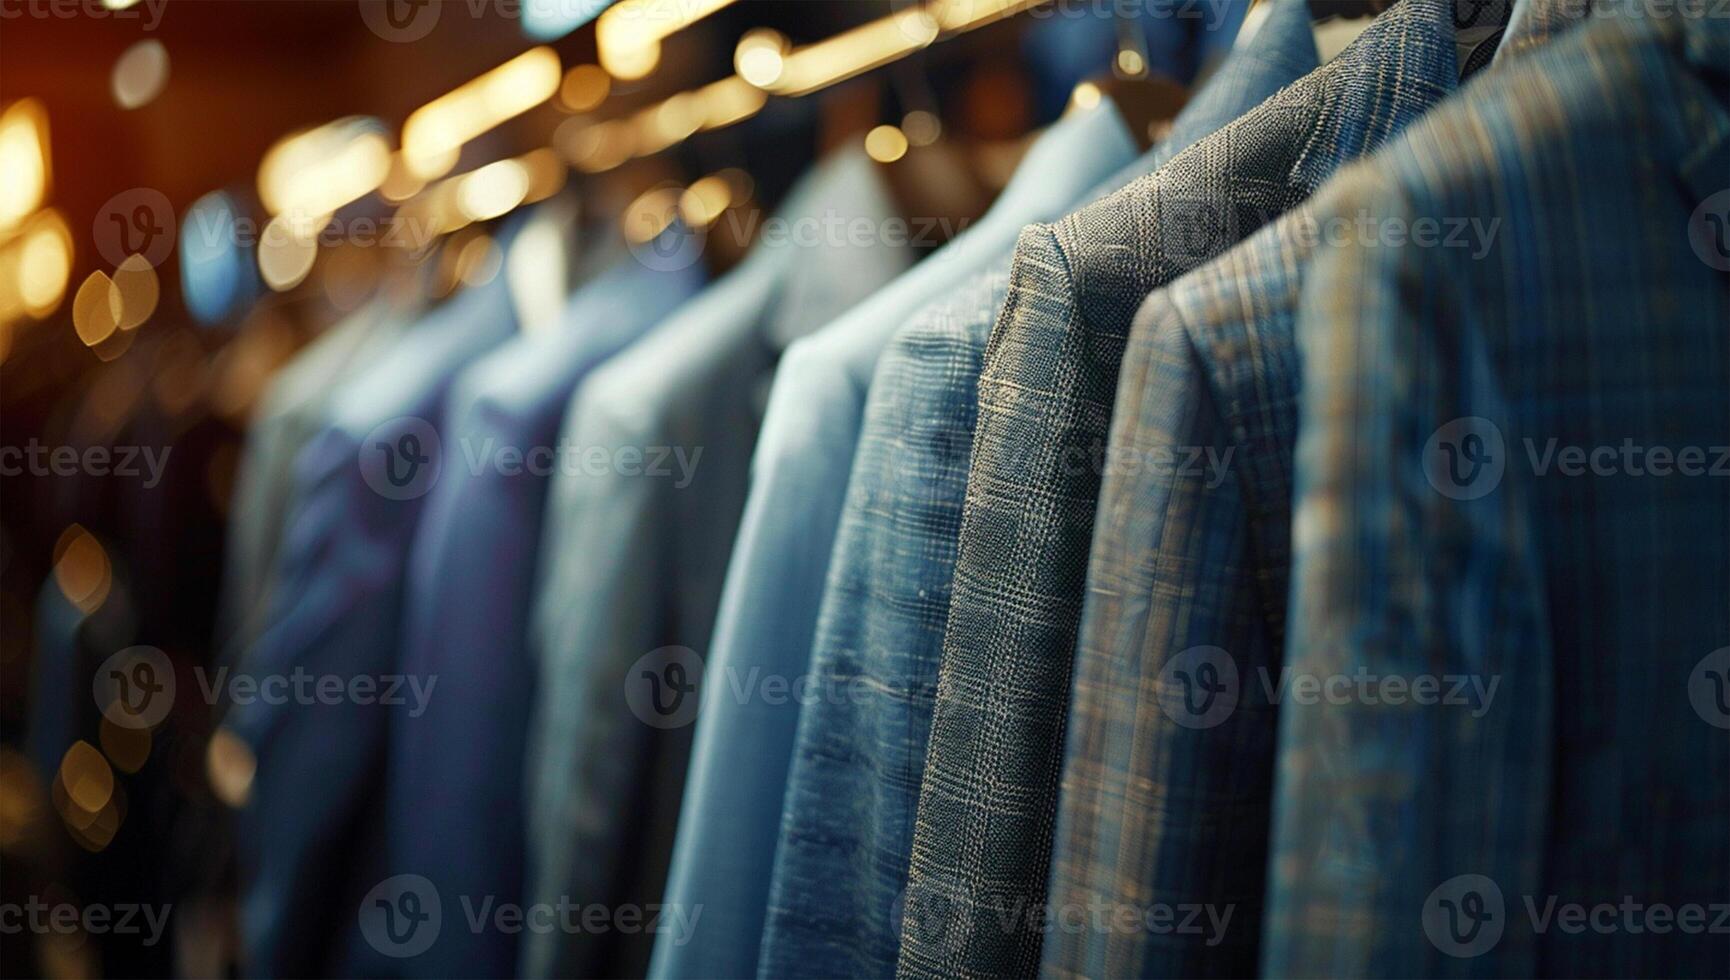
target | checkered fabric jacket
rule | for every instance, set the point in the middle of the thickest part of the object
(1440, 530)
(988, 799)
(841, 863)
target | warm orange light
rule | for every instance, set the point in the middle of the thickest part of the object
(761, 57)
(229, 765)
(319, 170)
(81, 568)
(24, 159)
(584, 88)
(126, 748)
(35, 267)
(850, 53)
(964, 15)
(436, 132)
(139, 74)
(650, 214)
(287, 249)
(96, 309)
(704, 201)
(628, 35)
(886, 144)
(136, 283)
(88, 780)
(675, 118)
(492, 190)
(598, 146)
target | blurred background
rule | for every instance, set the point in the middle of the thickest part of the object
(190, 190)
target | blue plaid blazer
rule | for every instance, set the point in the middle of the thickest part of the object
(841, 862)
(988, 799)
(1490, 485)
(1168, 771)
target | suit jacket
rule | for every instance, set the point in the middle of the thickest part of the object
(989, 796)
(309, 842)
(841, 864)
(775, 577)
(1440, 529)
(288, 416)
(455, 780)
(635, 555)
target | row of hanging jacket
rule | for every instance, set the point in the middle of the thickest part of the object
(1296, 549)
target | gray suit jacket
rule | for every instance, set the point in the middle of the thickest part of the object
(988, 800)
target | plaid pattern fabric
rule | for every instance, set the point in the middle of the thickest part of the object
(841, 864)
(848, 819)
(988, 800)
(729, 821)
(1168, 771)
(1438, 531)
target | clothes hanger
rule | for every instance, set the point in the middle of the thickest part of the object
(1148, 101)
(935, 176)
